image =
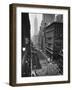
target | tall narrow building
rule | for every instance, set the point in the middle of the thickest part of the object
(35, 36)
(35, 26)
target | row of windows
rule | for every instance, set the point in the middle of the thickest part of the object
(49, 44)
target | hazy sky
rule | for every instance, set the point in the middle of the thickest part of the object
(32, 18)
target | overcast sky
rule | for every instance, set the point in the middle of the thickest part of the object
(32, 18)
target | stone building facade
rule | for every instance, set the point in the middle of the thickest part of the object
(51, 35)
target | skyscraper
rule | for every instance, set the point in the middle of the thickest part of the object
(35, 36)
(35, 26)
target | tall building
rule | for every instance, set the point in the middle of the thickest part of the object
(47, 19)
(35, 26)
(48, 27)
(35, 36)
(51, 37)
(25, 43)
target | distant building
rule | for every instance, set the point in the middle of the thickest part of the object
(35, 26)
(59, 18)
(35, 36)
(47, 19)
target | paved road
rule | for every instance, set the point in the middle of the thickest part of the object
(47, 68)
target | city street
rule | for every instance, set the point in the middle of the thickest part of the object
(48, 68)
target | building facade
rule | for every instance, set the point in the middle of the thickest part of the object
(51, 38)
